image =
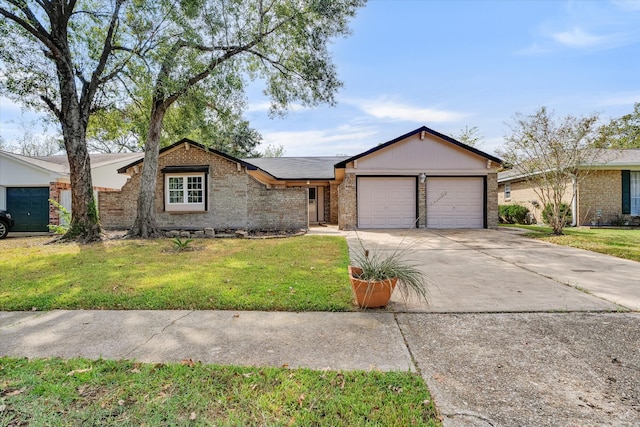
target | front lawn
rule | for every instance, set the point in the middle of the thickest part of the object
(55, 392)
(306, 273)
(616, 242)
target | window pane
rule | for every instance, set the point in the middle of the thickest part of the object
(635, 193)
(175, 183)
(194, 184)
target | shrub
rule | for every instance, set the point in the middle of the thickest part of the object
(65, 219)
(565, 213)
(618, 220)
(513, 214)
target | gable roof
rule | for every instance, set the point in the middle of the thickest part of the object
(195, 144)
(343, 164)
(298, 168)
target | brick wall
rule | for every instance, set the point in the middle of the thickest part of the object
(347, 211)
(333, 203)
(492, 200)
(234, 199)
(54, 193)
(276, 208)
(523, 194)
(600, 190)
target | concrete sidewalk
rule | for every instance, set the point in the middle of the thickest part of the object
(346, 341)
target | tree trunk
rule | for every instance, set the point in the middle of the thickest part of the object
(85, 224)
(145, 225)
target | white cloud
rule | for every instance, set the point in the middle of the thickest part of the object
(576, 37)
(391, 110)
(266, 105)
(349, 140)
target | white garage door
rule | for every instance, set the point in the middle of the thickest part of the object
(386, 202)
(455, 203)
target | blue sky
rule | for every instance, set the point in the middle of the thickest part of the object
(451, 64)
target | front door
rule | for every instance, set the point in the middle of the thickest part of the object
(313, 204)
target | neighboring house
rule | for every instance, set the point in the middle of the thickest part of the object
(27, 184)
(420, 179)
(610, 191)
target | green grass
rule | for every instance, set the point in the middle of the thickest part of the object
(616, 242)
(307, 273)
(55, 392)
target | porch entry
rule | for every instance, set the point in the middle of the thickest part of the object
(316, 204)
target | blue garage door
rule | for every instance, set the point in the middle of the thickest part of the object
(29, 208)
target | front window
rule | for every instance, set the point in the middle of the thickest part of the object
(185, 192)
(635, 193)
(507, 191)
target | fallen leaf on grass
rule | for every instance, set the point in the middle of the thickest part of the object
(192, 416)
(13, 392)
(301, 399)
(78, 371)
(188, 362)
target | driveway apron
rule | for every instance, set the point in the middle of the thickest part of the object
(494, 271)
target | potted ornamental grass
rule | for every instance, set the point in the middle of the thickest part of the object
(375, 274)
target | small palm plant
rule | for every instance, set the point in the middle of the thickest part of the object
(375, 267)
(181, 245)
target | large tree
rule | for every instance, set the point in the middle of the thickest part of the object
(553, 155)
(199, 116)
(212, 46)
(622, 132)
(61, 56)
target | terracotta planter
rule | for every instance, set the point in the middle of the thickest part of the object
(370, 294)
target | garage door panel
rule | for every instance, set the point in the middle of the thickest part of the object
(386, 202)
(455, 202)
(29, 208)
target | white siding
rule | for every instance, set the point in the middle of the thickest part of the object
(18, 174)
(65, 201)
(107, 176)
(3, 197)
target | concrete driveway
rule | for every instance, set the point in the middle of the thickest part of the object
(500, 271)
(520, 332)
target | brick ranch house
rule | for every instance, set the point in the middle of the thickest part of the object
(609, 192)
(420, 179)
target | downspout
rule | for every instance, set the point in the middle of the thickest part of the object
(574, 202)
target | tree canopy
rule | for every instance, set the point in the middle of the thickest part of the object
(622, 132)
(64, 57)
(552, 155)
(212, 47)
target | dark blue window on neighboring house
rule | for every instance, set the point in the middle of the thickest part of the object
(631, 192)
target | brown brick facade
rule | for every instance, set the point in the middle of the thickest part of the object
(492, 200)
(600, 193)
(347, 209)
(599, 197)
(234, 199)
